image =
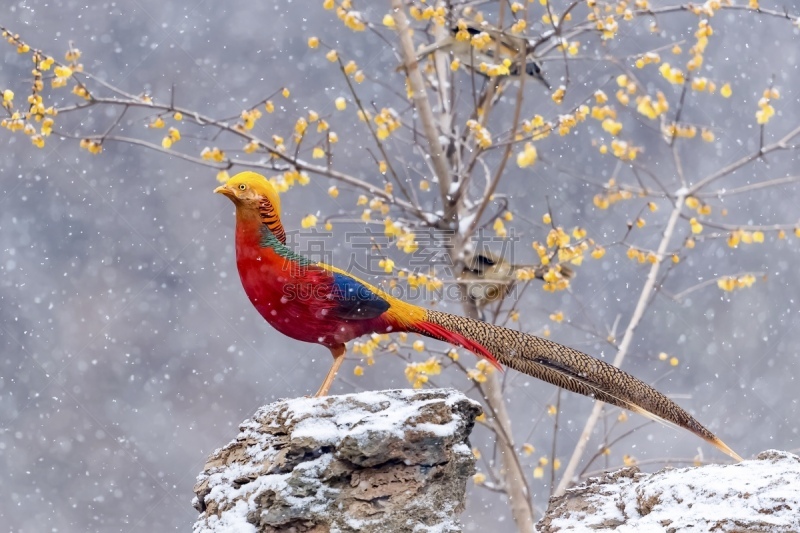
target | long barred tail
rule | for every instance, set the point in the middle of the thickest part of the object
(563, 367)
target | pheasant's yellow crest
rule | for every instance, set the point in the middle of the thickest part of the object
(249, 185)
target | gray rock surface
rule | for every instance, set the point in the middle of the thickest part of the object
(375, 461)
(752, 496)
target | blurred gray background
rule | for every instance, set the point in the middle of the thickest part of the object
(128, 350)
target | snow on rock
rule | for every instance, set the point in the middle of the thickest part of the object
(756, 495)
(376, 461)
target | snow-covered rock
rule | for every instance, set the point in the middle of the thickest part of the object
(375, 461)
(756, 495)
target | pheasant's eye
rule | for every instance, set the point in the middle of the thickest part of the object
(242, 187)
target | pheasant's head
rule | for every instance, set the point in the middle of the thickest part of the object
(251, 190)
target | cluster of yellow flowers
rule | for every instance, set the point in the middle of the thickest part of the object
(93, 147)
(481, 134)
(493, 70)
(351, 69)
(732, 283)
(351, 18)
(436, 14)
(746, 237)
(765, 109)
(537, 128)
(249, 118)
(702, 208)
(387, 265)
(499, 228)
(37, 111)
(482, 369)
(212, 154)
(608, 26)
(558, 94)
(418, 279)
(672, 74)
(308, 221)
(368, 347)
(417, 373)
(285, 181)
(646, 59)
(652, 109)
(673, 361)
(387, 121)
(612, 195)
(627, 87)
(173, 136)
(538, 471)
(641, 256)
(405, 238)
(572, 47)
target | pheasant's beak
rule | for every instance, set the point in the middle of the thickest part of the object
(223, 189)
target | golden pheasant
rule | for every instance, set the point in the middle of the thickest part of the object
(319, 303)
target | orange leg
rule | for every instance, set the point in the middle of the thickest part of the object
(338, 358)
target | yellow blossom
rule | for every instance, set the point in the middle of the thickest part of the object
(600, 97)
(308, 221)
(313, 42)
(611, 126)
(558, 95)
(300, 126)
(528, 156)
(500, 228)
(358, 370)
(528, 449)
(387, 265)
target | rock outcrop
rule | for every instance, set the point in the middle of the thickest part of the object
(752, 496)
(375, 461)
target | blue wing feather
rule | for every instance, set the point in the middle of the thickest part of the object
(354, 300)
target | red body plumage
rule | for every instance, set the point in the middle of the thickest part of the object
(297, 300)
